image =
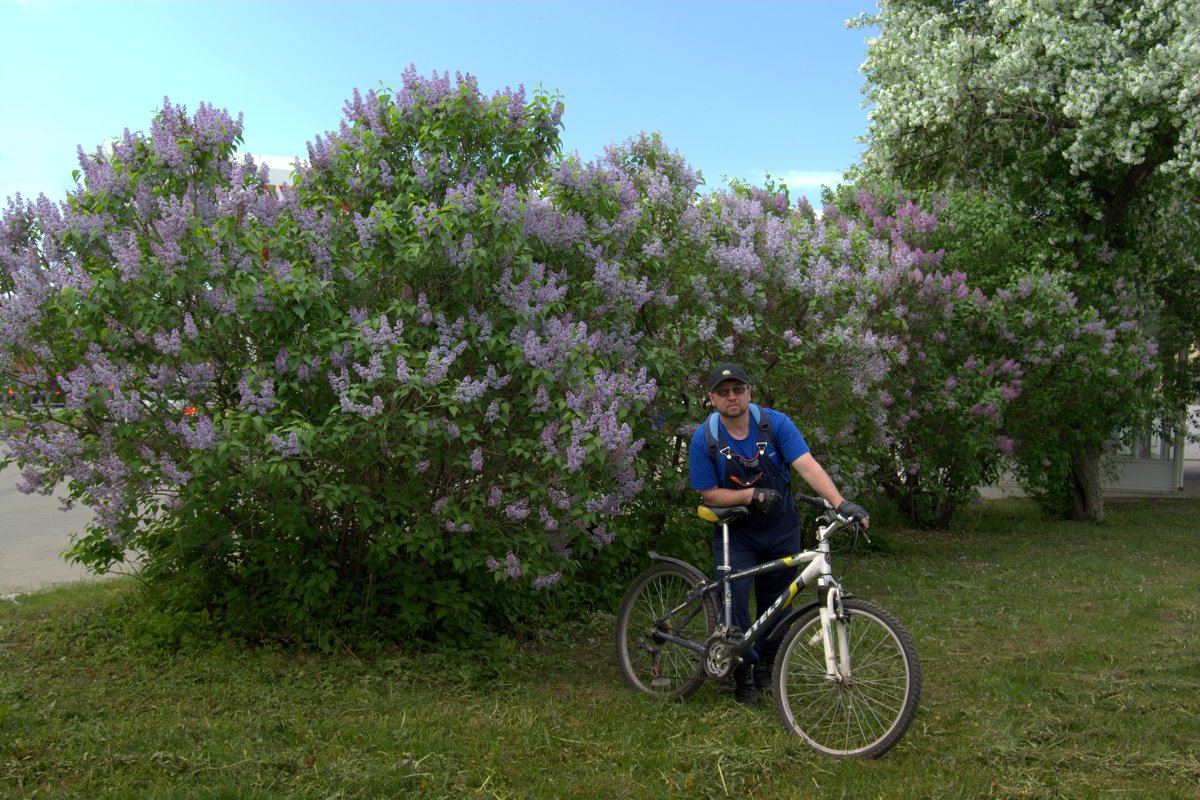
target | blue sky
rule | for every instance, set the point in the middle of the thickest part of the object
(740, 89)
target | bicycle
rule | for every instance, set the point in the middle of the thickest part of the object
(846, 677)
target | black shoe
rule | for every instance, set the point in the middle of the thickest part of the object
(743, 687)
(762, 674)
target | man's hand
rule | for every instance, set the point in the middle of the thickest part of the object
(852, 510)
(765, 500)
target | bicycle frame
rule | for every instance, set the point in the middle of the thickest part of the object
(818, 571)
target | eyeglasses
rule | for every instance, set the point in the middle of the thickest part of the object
(738, 390)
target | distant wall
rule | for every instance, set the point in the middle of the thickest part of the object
(1150, 466)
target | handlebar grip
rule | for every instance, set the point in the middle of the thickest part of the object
(815, 502)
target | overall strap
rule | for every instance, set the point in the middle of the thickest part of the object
(719, 454)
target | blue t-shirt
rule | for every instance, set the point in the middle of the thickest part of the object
(788, 437)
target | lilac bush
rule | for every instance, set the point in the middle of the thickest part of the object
(300, 403)
(450, 366)
(1016, 377)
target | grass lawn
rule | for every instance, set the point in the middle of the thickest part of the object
(1059, 660)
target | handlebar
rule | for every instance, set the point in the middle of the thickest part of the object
(827, 507)
(816, 502)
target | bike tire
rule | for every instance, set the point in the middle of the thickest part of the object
(649, 664)
(862, 718)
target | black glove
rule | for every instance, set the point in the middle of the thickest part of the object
(852, 510)
(766, 500)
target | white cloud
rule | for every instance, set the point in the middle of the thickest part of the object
(799, 182)
(796, 179)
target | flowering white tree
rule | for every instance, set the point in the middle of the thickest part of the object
(1084, 117)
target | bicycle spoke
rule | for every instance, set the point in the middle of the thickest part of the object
(863, 713)
(654, 607)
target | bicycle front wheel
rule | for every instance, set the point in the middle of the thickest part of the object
(862, 713)
(648, 662)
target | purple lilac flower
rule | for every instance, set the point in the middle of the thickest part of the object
(477, 459)
(576, 453)
(366, 231)
(260, 298)
(495, 497)
(1009, 391)
(223, 303)
(546, 581)
(1004, 444)
(168, 344)
(511, 565)
(424, 314)
(127, 255)
(257, 402)
(517, 511)
(171, 226)
(470, 390)
(172, 471)
(601, 536)
(289, 448)
(202, 437)
(549, 437)
(362, 409)
(373, 371)
(385, 335)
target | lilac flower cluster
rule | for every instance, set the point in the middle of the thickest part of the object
(288, 448)
(168, 343)
(517, 510)
(127, 256)
(200, 435)
(363, 410)
(534, 292)
(558, 229)
(546, 581)
(612, 284)
(438, 363)
(511, 565)
(260, 400)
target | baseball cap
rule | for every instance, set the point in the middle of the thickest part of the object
(727, 372)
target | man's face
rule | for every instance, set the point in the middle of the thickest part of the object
(730, 398)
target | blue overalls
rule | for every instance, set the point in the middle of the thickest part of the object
(758, 537)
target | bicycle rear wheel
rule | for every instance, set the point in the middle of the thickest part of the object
(862, 715)
(649, 663)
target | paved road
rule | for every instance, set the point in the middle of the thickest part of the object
(33, 533)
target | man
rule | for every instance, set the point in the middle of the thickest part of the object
(750, 468)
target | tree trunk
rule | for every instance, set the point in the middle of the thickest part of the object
(1087, 496)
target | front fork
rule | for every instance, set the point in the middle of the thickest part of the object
(834, 634)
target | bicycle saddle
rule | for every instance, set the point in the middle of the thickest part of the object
(725, 514)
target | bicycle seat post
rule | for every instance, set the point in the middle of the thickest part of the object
(724, 568)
